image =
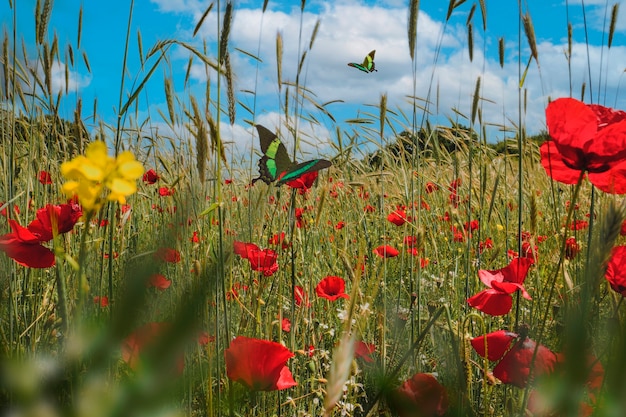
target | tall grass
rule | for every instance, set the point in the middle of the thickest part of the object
(63, 354)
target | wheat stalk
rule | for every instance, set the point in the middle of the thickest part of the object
(529, 29)
(414, 7)
(170, 100)
(44, 20)
(279, 59)
(614, 12)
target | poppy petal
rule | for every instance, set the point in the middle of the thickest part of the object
(492, 302)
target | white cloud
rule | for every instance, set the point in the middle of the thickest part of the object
(74, 81)
(349, 30)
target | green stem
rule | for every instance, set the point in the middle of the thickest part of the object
(553, 279)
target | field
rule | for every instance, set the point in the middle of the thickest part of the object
(440, 274)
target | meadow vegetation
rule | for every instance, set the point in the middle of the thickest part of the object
(441, 275)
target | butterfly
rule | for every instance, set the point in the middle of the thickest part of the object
(368, 63)
(275, 164)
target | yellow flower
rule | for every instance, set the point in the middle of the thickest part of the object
(96, 173)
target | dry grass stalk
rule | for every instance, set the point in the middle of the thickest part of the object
(314, 34)
(483, 12)
(339, 371)
(414, 7)
(216, 140)
(80, 27)
(383, 115)
(475, 100)
(5, 61)
(44, 20)
(140, 47)
(230, 89)
(614, 12)
(501, 51)
(70, 54)
(530, 35)
(86, 61)
(169, 99)
(47, 69)
(226, 25)
(470, 41)
(201, 21)
(200, 135)
(279, 59)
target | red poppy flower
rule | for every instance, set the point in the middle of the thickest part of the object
(541, 402)
(430, 187)
(279, 239)
(454, 196)
(264, 261)
(168, 255)
(369, 209)
(204, 339)
(579, 225)
(150, 176)
(63, 217)
(45, 178)
(159, 281)
(586, 138)
(260, 260)
(572, 248)
(244, 249)
(616, 270)
(258, 364)
(420, 396)
(331, 288)
(397, 217)
(487, 244)
(364, 351)
(24, 247)
(141, 339)
(102, 301)
(386, 251)
(300, 296)
(304, 182)
(299, 217)
(514, 355)
(165, 192)
(497, 300)
(285, 324)
(471, 225)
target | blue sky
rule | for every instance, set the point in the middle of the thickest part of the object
(349, 29)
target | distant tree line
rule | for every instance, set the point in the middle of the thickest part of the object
(442, 142)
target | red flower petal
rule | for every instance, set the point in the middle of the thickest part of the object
(616, 270)
(421, 395)
(498, 343)
(331, 288)
(492, 302)
(258, 364)
(386, 251)
(23, 247)
(514, 368)
(364, 350)
(243, 249)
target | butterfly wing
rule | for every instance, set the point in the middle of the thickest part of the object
(275, 159)
(368, 63)
(358, 66)
(302, 168)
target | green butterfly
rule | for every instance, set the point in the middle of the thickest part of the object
(275, 165)
(368, 63)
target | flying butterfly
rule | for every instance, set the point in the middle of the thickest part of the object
(275, 164)
(368, 63)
